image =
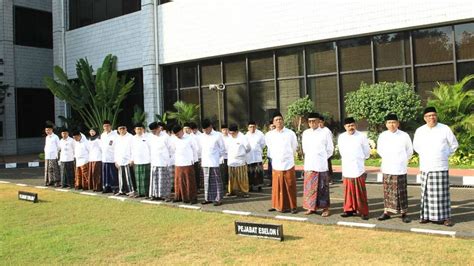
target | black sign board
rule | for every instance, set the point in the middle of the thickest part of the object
(28, 196)
(270, 231)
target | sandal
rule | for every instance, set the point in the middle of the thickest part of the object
(325, 213)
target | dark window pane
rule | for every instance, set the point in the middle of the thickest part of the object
(211, 73)
(84, 12)
(323, 92)
(261, 67)
(100, 10)
(189, 96)
(433, 45)
(263, 101)
(465, 69)
(427, 78)
(351, 82)
(114, 8)
(355, 54)
(188, 76)
(234, 70)
(289, 92)
(73, 14)
(33, 28)
(169, 77)
(321, 58)
(391, 50)
(130, 6)
(464, 41)
(34, 107)
(210, 105)
(390, 75)
(237, 104)
(409, 77)
(135, 97)
(290, 62)
(170, 97)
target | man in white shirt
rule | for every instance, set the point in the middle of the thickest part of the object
(395, 148)
(51, 149)
(223, 161)
(237, 148)
(354, 149)
(256, 139)
(434, 142)
(282, 144)
(327, 131)
(190, 129)
(81, 154)
(317, 148)
(140, 160)
(212, 148)
(109, 171)
(95, 161)
(160, 156)
(66, 159)
(122, 158)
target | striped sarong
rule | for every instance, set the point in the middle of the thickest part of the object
(284, 189)
(160, 182)
(435, 196)
(125, 180)
(316, 190)
(238, 179)
(185, 184)
(355, 195)
(142, 177)
(213, 190)
(109, 177)
(395, 198)
(224, 173)
(67, 174)
(51, 172)
(255, 174)
(82, 177)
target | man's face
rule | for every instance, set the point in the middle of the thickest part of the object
(187, 130)
(139, 131)
(392, 125)
(252, 128)
(207, 130)
(313, 123)
(122, 130)
(65, 134)
(48, 131)
(321, 123)
(107, 127)
(224, 131)
(77, 137)
(431, 119)
(278, 122)
(350, 128)
(179, 134)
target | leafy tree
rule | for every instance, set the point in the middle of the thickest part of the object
(162, 118)
(185, 112)
(373, 102)
(95, 98)
(139, 116)
(297, 111)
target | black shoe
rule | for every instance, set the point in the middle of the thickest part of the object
(405, 219)
(206, 202)
(175, 200)
(217, 203)
(193, 202)
(383, 217)
(285, 211)
(423, 221)
(347, 214)
(271, 209)
(294, 211)
(364, 217)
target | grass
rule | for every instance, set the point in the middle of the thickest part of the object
(67, 228)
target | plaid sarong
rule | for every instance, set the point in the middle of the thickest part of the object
(435, 196)
(395, 193)
(125, 179)
(213, 190)
(255, 173)
(67, 174)
(160, 182)
(51, 172)
(109, 177)
(355, 195)
(82, 178)
(316, 190)
(142, 177)
(238, 179)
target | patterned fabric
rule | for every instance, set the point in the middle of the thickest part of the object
(435, 196)
(316, 190)
(82, 177)
(51, 172)
(395, 198)
(238, 180)
(126, 183)
(355, 195)
(198, 175)
(160, 182)
(109, 177)
(171, 172)
(224, 173)
(255, 172)
(213, 190)
(284, 189)
(185, 184)
(94, 174)
(67, 174)
(142, 177)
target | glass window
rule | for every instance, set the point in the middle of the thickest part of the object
(465, 69)
(189, 95)
(34, 107)
(263, 101)
(114, 9)
(290, 62)
(321, 58)
(464, 41)
(210, 73)
(237, 104)
(188, 76)
(234, 70)
(433, 45)
(100, 10)
(355, 54)
(391, 50)
(131, 6)
(323, 92)
(408, 75)
(135, 97)
(390, 75)
(33, 28)
(289, 92)
(169, 77)
(170, 97)
(85, 12)
(351, 82)
(427, 78)
(261, 66)
(210, 106)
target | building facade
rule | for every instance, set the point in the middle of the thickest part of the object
(267, 53)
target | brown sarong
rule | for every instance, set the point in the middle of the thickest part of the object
(284, 189)
(82, 177)
(238, 180)
(355, 195)
(95, 169)
(185, 184)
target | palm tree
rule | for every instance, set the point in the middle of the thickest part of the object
(185, 112)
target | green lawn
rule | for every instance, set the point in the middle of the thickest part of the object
(67, 228)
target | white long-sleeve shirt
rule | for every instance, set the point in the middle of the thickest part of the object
(123, 149)
(283, 146)
(197, 152)
(51, 147)
(434, 145)
(95, 150)
(396, 149)
(67, 150)
(140, 149)
(107, 145)
(212, 148)
(257, 143)
(354, 150)
(237, 149)
(160, 150)
(81, 151)
(184, 150)
(317, 148)
(225, 139)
